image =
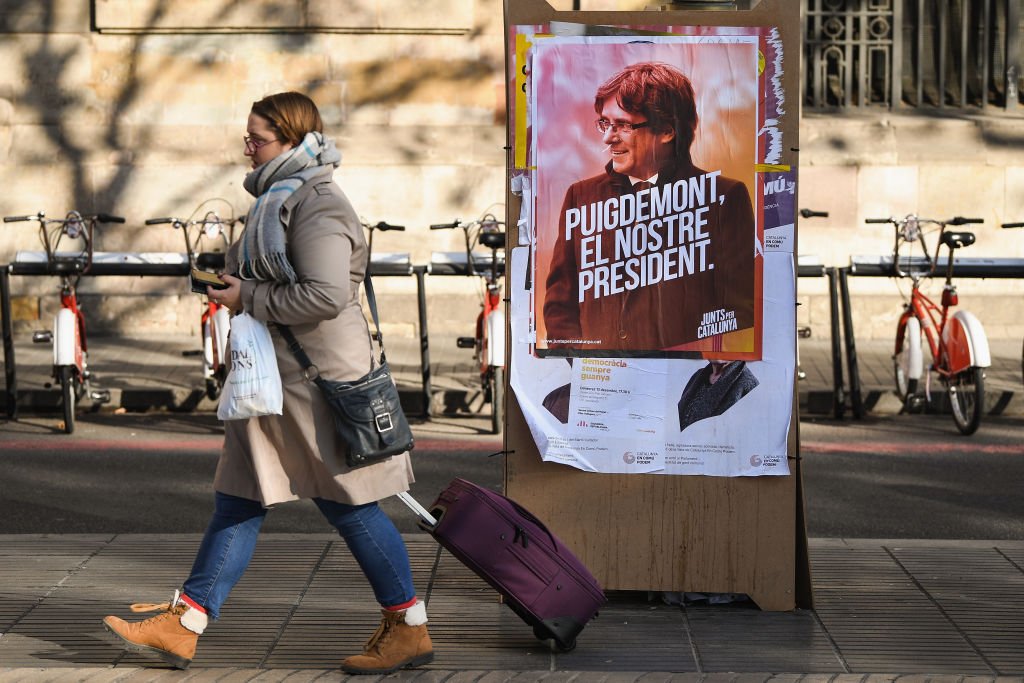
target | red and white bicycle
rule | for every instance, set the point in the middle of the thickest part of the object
(488, 341)
(206, 241)
(70, 348)
(958, 344)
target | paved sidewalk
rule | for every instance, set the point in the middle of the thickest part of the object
(1004, 388)
(152, 373)
(164, 373)
(882, 607)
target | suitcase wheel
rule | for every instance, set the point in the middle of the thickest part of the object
(542, 633)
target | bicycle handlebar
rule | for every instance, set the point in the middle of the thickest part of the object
(956, 220)
(1013, 225)
(445, 226)
(810, 213)
(225, 221)
(99, 218)
(386, 226)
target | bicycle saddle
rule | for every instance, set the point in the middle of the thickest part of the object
(955, 240)
(493, 240)
(210, 260)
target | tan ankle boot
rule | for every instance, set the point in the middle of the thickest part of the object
(171, 636)
(400, 642)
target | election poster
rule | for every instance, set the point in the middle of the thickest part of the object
(647, 241)
(652, 320)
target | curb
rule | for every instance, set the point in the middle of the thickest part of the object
(454, 400)
(999, 402)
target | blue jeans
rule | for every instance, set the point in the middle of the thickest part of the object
(230, 540)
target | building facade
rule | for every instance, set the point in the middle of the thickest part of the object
(137, 107)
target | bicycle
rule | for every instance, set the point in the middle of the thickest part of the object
(958, 345)
(805, 332)
(215, 320)
(488, 341)
(1017, 225)
(70, 346)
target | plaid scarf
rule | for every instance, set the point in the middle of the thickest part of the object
(263, 255)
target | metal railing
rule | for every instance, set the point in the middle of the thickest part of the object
(958, 54)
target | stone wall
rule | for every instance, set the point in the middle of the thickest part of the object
(137, 107)
(866, 166)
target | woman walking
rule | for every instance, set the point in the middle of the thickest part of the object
(299, 263)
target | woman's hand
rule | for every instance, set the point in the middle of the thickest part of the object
(230, 297)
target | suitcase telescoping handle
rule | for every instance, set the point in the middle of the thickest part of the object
(418, 509)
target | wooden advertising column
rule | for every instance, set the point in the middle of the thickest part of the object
(663, 532)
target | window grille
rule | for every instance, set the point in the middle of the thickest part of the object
(961, 54)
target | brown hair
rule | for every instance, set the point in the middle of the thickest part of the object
(660, 93)
(290, 114)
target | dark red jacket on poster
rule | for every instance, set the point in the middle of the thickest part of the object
(694, 304)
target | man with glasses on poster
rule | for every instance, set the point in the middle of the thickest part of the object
(653, 254)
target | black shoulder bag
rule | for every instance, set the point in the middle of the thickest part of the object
(367, 412)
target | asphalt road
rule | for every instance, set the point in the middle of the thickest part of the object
(908, 476)
(914, 476)
(153, 473)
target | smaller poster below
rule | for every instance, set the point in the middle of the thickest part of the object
(657, 415)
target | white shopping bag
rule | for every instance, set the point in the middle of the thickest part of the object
(253, 385)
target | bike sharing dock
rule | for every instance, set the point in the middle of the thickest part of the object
(153, 372)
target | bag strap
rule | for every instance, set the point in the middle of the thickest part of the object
(293, 344)
(300, 354)
(371, 300)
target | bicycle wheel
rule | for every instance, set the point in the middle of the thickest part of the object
(212, 389)
(967, 399)
(497, 391)
(212, 385)
(68, 395)
(907, 362)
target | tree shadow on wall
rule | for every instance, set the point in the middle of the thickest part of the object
(91, 123)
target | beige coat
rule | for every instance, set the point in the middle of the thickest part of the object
(297, 455)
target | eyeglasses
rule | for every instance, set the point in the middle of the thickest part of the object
(252, 144)
(604, 125)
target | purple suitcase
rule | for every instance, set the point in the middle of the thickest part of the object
(510, 549)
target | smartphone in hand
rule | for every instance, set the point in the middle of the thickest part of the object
(202, 279)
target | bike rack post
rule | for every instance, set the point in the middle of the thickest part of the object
(838, 389)
(851, 347)
(11, 391)
(421, 302)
